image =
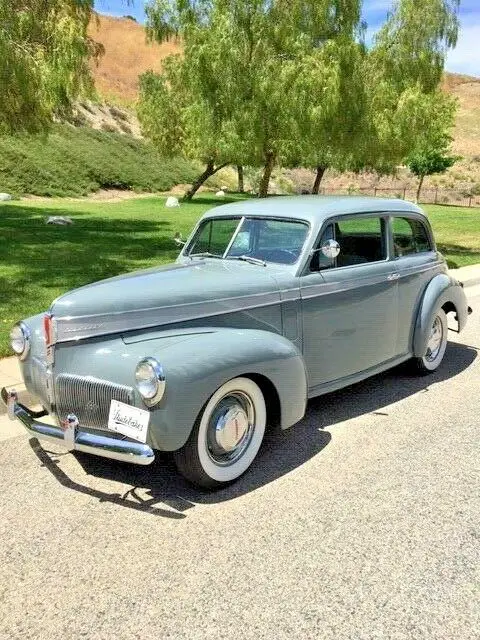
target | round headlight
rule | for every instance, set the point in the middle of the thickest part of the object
(150, 380)
(20, 340)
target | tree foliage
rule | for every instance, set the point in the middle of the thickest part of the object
(430, 154)
(44, 53)
(262, 82)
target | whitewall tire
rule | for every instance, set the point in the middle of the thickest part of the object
(436, 345)
(226, 436)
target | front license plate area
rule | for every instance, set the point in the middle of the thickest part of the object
(129, 421)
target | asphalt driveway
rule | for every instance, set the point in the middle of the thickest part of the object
(361, 522)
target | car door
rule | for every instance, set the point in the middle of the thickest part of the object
(349, 303)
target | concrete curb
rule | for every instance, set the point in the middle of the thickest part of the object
(469, 276)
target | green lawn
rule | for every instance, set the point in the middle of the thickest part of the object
(39, 262)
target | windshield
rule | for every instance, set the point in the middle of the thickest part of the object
(270, 240)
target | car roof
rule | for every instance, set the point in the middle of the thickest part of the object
(312, 208)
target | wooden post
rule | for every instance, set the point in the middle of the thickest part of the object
(374, 191)
(470, 201)
(404, 192)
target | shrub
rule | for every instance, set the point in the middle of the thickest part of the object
(118, 114)
(109, 128)
(75, 161)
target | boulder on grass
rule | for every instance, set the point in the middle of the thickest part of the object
(62, 220)
(172, 202)
(5, 196)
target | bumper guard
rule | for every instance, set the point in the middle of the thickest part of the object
(73, 438)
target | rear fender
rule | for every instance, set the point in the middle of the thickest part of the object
(441, 289)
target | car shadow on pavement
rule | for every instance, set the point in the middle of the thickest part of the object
(159, 490)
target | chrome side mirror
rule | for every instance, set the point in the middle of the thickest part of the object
(330, 249)
(179, 241)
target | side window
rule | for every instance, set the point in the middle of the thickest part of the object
(361, 240)
(409, 237)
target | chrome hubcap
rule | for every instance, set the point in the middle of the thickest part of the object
(435, 340)
(230, 428)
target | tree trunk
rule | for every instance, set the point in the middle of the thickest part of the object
(210, 170)
(318, 178)
(417, 199)
(241, 185)
(267, 172)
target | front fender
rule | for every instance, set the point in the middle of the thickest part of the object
(196, 367)
(442, 289)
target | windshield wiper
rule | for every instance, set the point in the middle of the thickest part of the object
(205, 254)
(261, 263)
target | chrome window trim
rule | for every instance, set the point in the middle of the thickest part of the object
(183, 253)
(304, 271)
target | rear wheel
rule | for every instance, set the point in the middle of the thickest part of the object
(226, 436)
(436, 345)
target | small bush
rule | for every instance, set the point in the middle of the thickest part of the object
(117, 114)
(88, 107)
(126, 128)
(109, 128)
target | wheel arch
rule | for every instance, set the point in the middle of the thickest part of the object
(271, 395)
(442, 292)
(196, 368)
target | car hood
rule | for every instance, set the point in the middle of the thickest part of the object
(161, 296)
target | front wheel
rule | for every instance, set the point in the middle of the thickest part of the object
(436, 345)
(226, 436)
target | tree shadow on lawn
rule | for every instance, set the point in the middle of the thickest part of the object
(70, 256)
(451, 251)
(153, 488)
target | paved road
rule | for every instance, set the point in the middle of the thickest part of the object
(362, 522)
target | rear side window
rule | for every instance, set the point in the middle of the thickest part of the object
(361, 240)
(409, 237)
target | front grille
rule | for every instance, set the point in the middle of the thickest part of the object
(88, 398)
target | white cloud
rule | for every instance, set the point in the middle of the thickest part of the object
(465, 58)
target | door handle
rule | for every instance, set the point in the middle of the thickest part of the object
(393, 276)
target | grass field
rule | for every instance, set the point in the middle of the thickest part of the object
(39, 262)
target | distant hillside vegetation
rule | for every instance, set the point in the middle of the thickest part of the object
(74, 161)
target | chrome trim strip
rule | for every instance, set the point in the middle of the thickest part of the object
(324, 288)
(104, 446)
(69, 328)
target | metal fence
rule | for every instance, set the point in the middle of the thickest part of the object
(427, 196)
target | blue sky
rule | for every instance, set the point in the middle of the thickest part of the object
(464, 59)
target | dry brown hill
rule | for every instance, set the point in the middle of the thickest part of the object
(127, 55)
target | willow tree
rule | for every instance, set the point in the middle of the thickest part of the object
(240, 99)
(402, 73)
(44, 53)
(190, 107)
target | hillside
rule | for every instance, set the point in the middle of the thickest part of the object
(127, 55)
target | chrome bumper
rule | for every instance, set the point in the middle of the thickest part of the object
(73, 439)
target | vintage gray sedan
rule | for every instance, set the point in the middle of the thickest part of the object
(270, 303)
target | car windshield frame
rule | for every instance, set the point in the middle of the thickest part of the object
(189, 251)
